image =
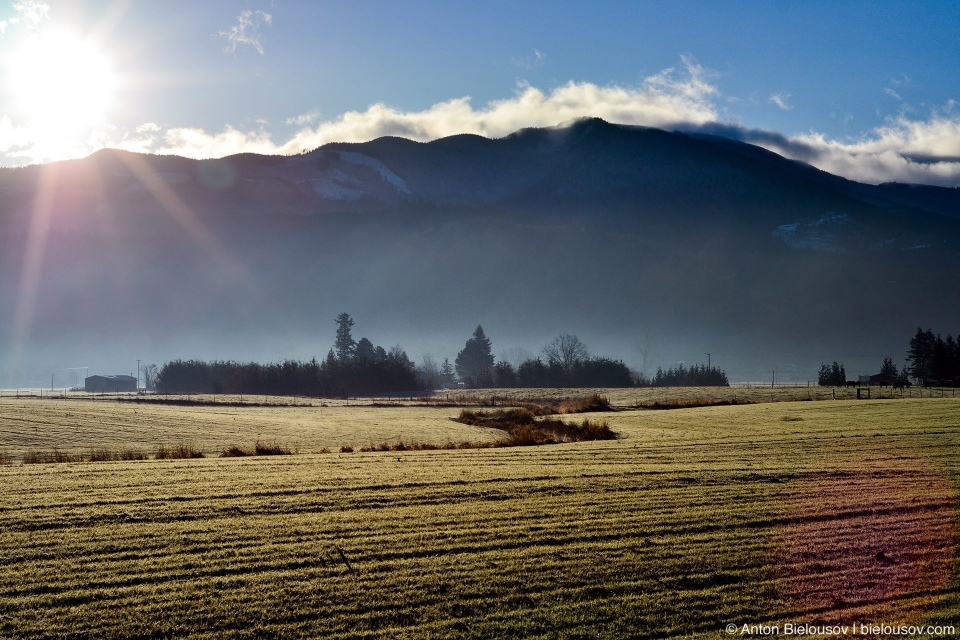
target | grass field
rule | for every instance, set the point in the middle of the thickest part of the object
(763, 514)
(79, 426)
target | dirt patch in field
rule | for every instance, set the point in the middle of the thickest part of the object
(875, 542)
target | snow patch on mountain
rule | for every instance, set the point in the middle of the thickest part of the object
(351, 157)
(332, 190)
(824, 234)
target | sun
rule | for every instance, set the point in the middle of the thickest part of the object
(59, 82)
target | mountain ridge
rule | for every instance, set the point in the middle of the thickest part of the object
(603, 230)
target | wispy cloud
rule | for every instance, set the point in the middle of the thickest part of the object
(304, 119)
(247, 31)
(531, 62)
(923, 151)
(667, 99)
(29, 14)
(781, 100)
(892, 93)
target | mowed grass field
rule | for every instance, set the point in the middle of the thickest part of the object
(788, 512)
(79, 426)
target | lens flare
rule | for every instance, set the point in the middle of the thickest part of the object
(875, 542)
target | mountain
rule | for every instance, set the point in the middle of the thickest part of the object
(651, 246)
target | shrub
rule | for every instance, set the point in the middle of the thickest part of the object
(233, 451)
(57, 456)
(346, 449)
(584, 404)
(5, 458)
(180, 452)
(262, 449)
(524, 429)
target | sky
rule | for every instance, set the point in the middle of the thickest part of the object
(867, 90)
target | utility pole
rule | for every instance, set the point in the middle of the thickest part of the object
(138, 374)
(708, 362)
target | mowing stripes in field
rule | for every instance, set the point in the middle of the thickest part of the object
(694, 520)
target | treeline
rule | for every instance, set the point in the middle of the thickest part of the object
(350, 369)
(327, 379)
(834, 375)
(566, 362)
(359, 368)
(933, 360)
(695, 376)
(592, 372)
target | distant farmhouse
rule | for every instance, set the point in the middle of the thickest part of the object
(109, 384)
(880, 380)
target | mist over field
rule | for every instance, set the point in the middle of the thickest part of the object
(653, 247)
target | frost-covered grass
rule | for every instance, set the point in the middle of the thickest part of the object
(76, 426)
(817, 512)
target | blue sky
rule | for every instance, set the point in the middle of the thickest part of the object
(866, 90)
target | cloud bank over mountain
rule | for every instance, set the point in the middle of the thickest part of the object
(907, 148)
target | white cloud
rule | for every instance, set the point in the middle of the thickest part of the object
(304, 119)
(780, 99)
(907, 148)
(892, 93)
(31, 13)
(247, 31)
(903, 150)
(666, 100)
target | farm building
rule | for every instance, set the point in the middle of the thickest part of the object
(884, 379)
(109, 384)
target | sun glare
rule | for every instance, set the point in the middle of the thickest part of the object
(59, 82)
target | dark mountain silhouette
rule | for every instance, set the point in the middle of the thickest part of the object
(650, 245)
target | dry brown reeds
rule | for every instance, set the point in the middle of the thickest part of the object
(52, 457)
(421, 446)
(523, 428)
(182, 451)
(109, 455)
(259, 449)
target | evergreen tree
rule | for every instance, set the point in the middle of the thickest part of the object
(447, 375)
(832, 376)
(532, 373)
(344, 346)
(504, 375)
(365, 351)
(940, 360)
(474, 361)
(887, 367)
(920, 355)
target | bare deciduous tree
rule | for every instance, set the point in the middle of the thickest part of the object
(428, 372)
(516, 356)
(565, 350)
(149, 372)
